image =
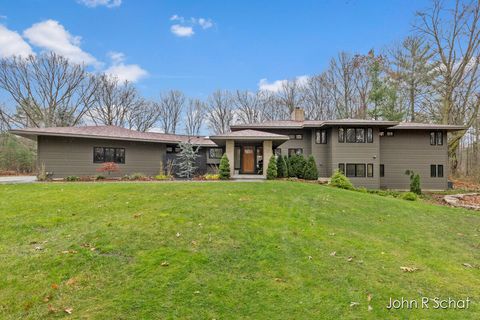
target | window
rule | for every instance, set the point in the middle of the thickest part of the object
(105, 154)
(360, 135)
(390, 134)
(436, 171)
(356, 170)
(321, 136)
(351, 137)
(278, 152)
(436, 138)
(296, 151)
(370, 135)
(341, 135)
(295, 136)
(433, 171)
(370, 170)
(440, 171)
(341, 167)
(387, 133)
(215, 153)
(382, 170)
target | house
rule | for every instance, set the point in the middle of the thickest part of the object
(372, 153)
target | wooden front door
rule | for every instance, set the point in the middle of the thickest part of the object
(248, 159)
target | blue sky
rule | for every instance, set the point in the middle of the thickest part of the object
(234, 46)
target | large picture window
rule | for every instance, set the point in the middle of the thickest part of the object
(107, 154)
(355, 135)
(215, 153)
(357, 170)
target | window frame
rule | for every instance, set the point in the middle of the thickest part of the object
(214, 156)
(433, 171)
(354, 135)
(113, 157)
(321, 134)
(363, 137)
(370, 170)
(439, 172)
(382, 170)
(355, 166)
(369, 135)
(341, 135)
(341, 168)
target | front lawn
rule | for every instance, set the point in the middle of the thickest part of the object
(223, 250)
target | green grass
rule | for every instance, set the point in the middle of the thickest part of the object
(243, 251)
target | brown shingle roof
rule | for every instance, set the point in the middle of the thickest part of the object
(425, 126)
(111, 132)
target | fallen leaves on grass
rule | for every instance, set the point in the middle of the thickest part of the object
(279, 280)
(370, 308)
(353, 304)
(350, 259)
(52, 309)
(38, 248)
(165, 264)
(47, 298)
(178, 234)
(71, 282)
(137, 215)
(68, 310)
(408, 269)
(70, 252)
(54, 286)
(467, 265)
(334, 253)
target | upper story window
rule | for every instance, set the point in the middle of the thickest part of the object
(387, 133)
(106, 154)
(436, 138)
(215, 153)
(355, 135)
(321, 136)
(295, 136)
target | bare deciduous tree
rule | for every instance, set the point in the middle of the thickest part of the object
(114, 101)
(454, 37)
(171, 106)
(291, 96)
(194, 117)
(220, 113)
(144, 116)
(248, 106)
(318, 103)
(48, 90)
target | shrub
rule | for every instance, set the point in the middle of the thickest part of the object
(290, 173)
(137, 176)
(99, 177)
(272, 168)
(362, 190)
(72, 178)
(414, 182)
(163, 177)
(210, 176)
(410, 196)
(310, 171)
(224, 169)
(340, 181)
(108, 167)
(282, 169)
(297, 165)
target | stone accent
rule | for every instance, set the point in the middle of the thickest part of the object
(454, 200)
(267, 154)
(230, 151)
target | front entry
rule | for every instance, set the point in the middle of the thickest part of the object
(248, 159)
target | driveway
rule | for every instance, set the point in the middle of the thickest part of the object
(18, 179)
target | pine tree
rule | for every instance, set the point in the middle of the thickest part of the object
(272, 168)
(310, 172)
(290, 172)
(186, 159)
(282, 171)
(224, 168)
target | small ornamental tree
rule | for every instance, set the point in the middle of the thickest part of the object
(310, 172)
(414, 182)
(339, 180)
(282, 170)
(108, 167)
(297, 165)
(224, 168)
(186, 159)
(272, 168)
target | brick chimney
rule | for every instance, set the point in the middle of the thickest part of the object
(298, 114)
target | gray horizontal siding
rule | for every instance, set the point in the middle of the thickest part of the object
(74, 156)
(411, 150)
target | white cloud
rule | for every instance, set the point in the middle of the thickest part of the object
(277, 85)
(11, 43)
(96, 3)
(52, 36)
(182, 31)
(185, 27)
(205, 23)
(130, 72)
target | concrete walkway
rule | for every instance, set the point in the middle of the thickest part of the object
(17, 179)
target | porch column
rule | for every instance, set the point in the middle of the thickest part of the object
(267, 154)
(230, 151)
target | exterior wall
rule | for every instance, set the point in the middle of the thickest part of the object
(201, 163)
(230, 151)
(305, 143)
(322, 154)
(267, 154)
(357, 153)
(411, 150)
(74, 156)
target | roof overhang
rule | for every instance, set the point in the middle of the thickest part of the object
(421, 126)
(249, 136)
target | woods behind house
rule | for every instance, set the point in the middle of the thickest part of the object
(430, 76)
